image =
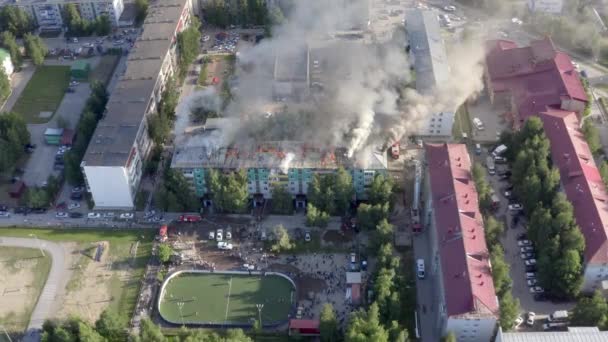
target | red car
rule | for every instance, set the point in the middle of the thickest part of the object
(189, 218)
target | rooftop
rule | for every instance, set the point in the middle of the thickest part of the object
(464, 257)
(581, 181)
(572, 335)
(537, 76)
(426, 44)
(202, 149)
(115, 135)
(292, 64)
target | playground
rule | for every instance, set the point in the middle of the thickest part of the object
(230, 299)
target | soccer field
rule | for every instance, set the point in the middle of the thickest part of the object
(207, 298)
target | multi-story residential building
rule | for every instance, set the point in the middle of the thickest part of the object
(527, 80)
(47, 13)
(114, 159)
(427, 51)
(582, 183)
(291, 164)
(460, 261)
(546, 6)
(571, 334)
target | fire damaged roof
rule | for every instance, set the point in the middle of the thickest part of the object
(464, 257)
(581, 181)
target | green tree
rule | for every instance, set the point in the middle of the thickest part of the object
(343, 188)
(509, 310)
(381, 190)
(368, 216)
(592, 135)
(316, 217)
(237, 335)
(282, 243)
(35, 48)
(8, 41)
(150, 332)
(88, 334)
(383, 234)
(15, 20)
(73, 20)
(141, 9)
(500, 271)
(103, 25)
(591, 311)
(328, 324)
(164, 252)
(365, 326)
(397, 333)
(449, 337)
(494, 229)
(5, 86)
(188, 43)
(604, 172)
(483, 188)
(37, 198)
(111, 326)
(13, 136)
(282, 201)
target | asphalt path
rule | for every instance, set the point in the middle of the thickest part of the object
(49, 292)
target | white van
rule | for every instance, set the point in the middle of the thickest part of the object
(558, 316)
(478, 124)
(420, 268)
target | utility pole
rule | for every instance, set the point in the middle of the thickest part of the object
(260, 307)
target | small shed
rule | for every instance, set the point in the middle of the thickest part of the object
(52, 136)
(304, 327)
(17, 189)
(80, 70)
(67, 138)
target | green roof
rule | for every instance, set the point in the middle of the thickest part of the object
(80, 65)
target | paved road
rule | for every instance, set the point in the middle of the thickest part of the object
(56, 274)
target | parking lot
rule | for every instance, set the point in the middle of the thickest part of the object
(491, 117)
(509, 241)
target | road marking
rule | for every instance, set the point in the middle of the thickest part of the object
(228, 300)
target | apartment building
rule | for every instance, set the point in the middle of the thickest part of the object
(48, 13)
(428, 53)
(582, 183)
(525, 81)
(291, 164)
(114, 159)
(460, 262)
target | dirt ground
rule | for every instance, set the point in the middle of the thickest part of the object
(23, 274)
(88, 292)
(217, 67)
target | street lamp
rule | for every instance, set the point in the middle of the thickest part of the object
(6, 333)
(260, 307)
(180, 305)
(38, 241)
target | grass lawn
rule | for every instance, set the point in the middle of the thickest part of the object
(105, 69)
(124, 293)
(43, 93)
(13, 261)
(217, 298)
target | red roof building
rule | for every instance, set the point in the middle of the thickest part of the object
(467, 294)
(584, 188)
(529, 80)
(305, 327)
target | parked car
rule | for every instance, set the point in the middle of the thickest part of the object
(93, 215)
(515, 207)
(531, 317)
(477, 149)
(126, 216)
(76, 215)
(532, 282)
(537, 289)
(522, 236)
(522, 243)
(73, 205)
(4, 214)
(530, 262)
(307, 237)
(420, 268)
(219, 236)
(212, 235)
(530, 268)
(526, 249)
(224, 245)
(61, 215)
(528, 255)
(540, 297)
(518, 321)
(228, 234)
(109, 215)
(530, 275)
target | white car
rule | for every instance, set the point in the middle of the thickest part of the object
(224, 245)
(74, 83)
(420, 268)
(532, 282)
(530, 320)
(228, 235)
(307, 237)
(126, 216)
(526, 249)
(206, 38)
(522, 243)
(93, 215)
(61, 215)
(109, 215)
(530, 275)
(219, 236)
(449, 8)
(530, 262)
(74, 205)
(212, 235)
(515, 207)
(536, 289)
(518, 321)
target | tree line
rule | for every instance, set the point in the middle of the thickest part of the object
(16, 21)
(246, 13)
(14, 136)
(79, 26)
(189, 45)
(35, 48)
(552, 227)
(91, 114)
